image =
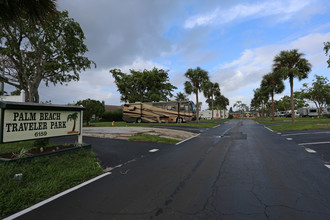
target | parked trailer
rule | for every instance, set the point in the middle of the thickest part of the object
(172, 111)
(207, 114)
(308, 112)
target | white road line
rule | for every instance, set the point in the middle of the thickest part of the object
(187, 139)
(310, 150)
(313, 143)
(153, 150)
(269, 129)
(217, 126)
(54, 197)
(304, 133)
(279, 133)
(328, 166)
(289, 139)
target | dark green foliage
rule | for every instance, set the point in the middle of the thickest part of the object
(272, 84)
(51, 52)
(116, 115)
(327, 49)
(93, 107)
(181, 97)
(291, 64)
(198, 78)
(42, 178)
(319, 92)
(35, 10)
(146, 86)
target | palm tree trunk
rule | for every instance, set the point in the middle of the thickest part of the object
(292, 102)
(273, 118)
(197, 108)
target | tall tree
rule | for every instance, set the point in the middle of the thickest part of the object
(272, 84)
(197, 79)
(145, 86)
(327, 51)
(291, 64)
(93, 108)
(52, 52)
(34, 10)
(180, 96)
(260, 99)
(319, 92)
(220, 102)
(210, 90)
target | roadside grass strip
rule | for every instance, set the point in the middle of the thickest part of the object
(44, 177)
(55, 197)
(152, 138)
(306, 133)
(269, 129)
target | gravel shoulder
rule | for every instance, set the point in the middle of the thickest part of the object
(124, 133)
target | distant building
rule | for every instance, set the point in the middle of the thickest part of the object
(14, 98)
(112, 107)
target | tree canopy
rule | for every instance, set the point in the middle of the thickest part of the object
(272, 84)
(327, 51)
(143, 86)
(291, 64)
(181, 97)
(51, 52)
(197, 80)
(319, 92)
(34, 10)
(93, 107)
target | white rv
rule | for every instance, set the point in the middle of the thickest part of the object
(308, 112)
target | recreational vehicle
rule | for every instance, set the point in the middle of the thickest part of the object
(308, 112)
(172, 111)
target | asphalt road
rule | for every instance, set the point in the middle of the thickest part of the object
(239, 170)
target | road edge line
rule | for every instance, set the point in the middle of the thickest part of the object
(187, 139)
(268, 129)
(39, 204)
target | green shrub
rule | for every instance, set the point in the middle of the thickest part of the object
(116, 115)
(230, 117)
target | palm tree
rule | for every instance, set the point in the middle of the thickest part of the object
(36, 10)
(181, 97)
(290, 64)
(198, 78)
(211, 90)
(272, 84)
(260, 98)
(74, 117)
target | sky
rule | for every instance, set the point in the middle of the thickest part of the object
(235, 41)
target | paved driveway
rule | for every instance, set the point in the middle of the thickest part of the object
(314, 141)
(238, 170)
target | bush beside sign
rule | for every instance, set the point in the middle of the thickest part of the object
(26, 121)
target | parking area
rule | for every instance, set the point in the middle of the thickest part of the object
(314, 141)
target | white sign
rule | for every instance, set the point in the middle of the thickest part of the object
(33, 124)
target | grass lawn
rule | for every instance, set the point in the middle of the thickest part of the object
(43, 177)
(152, 138)
(203, 123)
(301, 123)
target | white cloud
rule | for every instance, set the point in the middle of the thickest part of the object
(285, 8)
(245, 73)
